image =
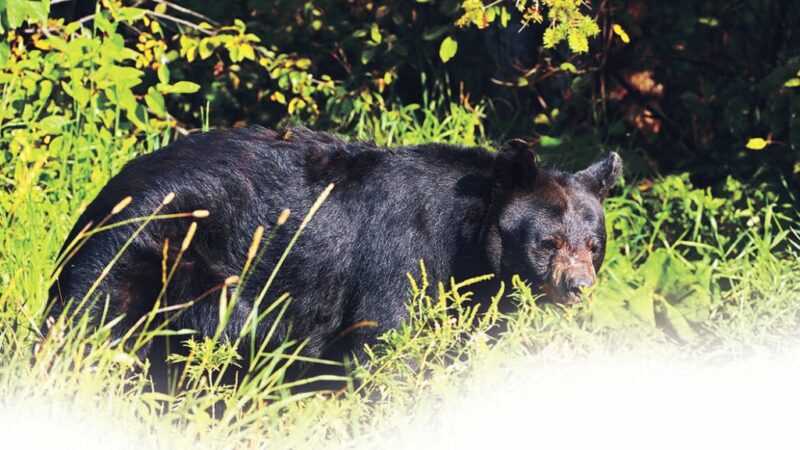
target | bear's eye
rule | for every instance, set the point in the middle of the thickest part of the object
(592, 245)
(552, 243)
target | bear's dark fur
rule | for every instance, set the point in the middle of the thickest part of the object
(464, 211)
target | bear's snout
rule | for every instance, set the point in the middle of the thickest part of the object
(573, 274)
(574, 287)
(578, 284)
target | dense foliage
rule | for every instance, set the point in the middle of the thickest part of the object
(709, 87)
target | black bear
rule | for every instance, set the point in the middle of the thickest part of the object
(464, 211)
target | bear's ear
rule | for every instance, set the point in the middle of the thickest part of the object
(601, 176)
(515, 165)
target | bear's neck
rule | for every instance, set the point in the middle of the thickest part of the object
(472, 218)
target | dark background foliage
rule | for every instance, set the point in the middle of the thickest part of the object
(695, 82)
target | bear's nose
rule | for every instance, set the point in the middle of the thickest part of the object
(576, 285)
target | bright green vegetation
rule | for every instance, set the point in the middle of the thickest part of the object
(691, 273)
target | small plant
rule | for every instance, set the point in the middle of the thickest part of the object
(444, 330)
(567, 21)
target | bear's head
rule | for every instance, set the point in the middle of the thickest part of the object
(546, 225)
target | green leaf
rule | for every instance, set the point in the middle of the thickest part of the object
(163, 74)
(448, 49)
(137, 116)
(708, 21)
(53, 124)
(206, 48)
(182, 87)
(155, 101)
(127, 101)
(295, 104)
(131, 14)
(45, 89)
(367, 54)
(619, 31)
(125, 76)
(72, 27)
(569, 67)
(375, 33)
(76, 90)
(792, 82)
(549, 141)
(38, 11)
(279, 97)
(247, 52)
(15, 12)
(505, 16)
(757, 143)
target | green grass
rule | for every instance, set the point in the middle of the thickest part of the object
(689, 275)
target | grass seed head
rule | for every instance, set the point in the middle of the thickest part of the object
(189, 235)
(251, 253)
(122, 205)
(168, 198)
(283, 217)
